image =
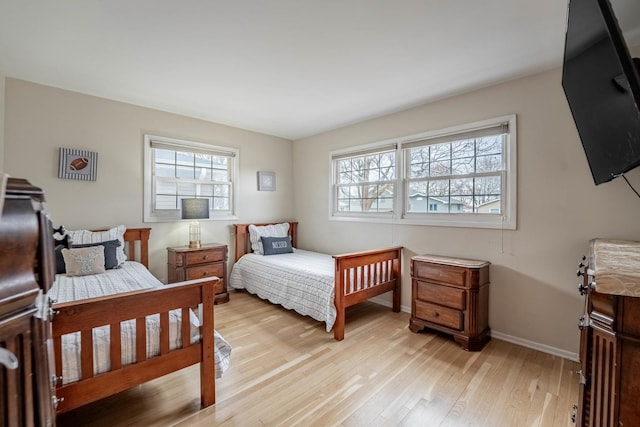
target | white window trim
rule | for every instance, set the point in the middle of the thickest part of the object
(506, 221)
(174, 215)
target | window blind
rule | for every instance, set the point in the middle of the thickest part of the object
(499, 129)
(214, 151)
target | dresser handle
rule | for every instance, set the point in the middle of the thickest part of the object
(56, 401)
(55, 380)
(8, 359)
(205, 257)
(581, 322)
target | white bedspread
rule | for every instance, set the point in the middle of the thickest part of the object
(130, 277)
(301, 281)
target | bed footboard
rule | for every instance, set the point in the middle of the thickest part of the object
(363, 275)
(83, 316)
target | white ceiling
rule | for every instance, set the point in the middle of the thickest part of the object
(290, 68)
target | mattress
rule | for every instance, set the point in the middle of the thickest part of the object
(131, 276)
(302, 281)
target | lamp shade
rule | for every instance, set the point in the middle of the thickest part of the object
(195, 208)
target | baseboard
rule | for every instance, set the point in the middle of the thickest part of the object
(535, 345)
(504, 337)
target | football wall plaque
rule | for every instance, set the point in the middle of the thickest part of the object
(77, 164)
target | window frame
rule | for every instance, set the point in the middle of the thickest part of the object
(169, 215)
(400, 215)
(360, 151)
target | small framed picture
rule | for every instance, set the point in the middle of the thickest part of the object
(77, 164)
(266, 181)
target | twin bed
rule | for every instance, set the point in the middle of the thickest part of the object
(317, 285)
(123, 327)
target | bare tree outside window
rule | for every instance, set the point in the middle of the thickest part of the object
(367, 183)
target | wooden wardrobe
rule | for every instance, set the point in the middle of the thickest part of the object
(27, 270)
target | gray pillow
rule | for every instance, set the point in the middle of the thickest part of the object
(276, 245)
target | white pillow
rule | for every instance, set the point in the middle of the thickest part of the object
(86, 236)
(273, 230)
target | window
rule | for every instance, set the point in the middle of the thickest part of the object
(463, 176)
(365, 181)
(176, 169)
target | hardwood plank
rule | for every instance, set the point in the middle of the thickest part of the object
(287, 370)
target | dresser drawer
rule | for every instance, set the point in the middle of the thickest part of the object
(442, 295)
(208, 270)
(449, 274)
(440, 315)
(201, 257)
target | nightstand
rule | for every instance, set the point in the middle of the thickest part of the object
(451, 295)
(185, 263)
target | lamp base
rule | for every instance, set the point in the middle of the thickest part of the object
(194, 234)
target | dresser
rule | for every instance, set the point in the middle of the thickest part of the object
(451, 295)
(27, 271)
(609, 372)
(185, 263)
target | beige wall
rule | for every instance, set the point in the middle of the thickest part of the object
(2, 91)
(533, 293)
(40, 119)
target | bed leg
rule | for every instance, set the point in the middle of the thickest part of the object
(396, 298)
(397, 267)
(207, 363)
(338, 327)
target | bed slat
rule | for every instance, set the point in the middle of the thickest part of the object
(186, 328)
(115, 347)
(86, 352)
(141, 339)
(164, 333)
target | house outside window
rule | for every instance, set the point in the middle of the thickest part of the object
(464, 176)
(177, 169)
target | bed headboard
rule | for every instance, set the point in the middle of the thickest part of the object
(243, 244)
(131, 237)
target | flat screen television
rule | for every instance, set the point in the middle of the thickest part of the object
(601, 83)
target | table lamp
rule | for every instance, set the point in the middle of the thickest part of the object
(195, 209)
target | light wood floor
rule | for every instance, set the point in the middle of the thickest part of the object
(286, 370)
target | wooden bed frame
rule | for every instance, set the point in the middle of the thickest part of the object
(350, 286)
(82, 316)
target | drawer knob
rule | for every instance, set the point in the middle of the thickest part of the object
(205, 257)
(436, 314)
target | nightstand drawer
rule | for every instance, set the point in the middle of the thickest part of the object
(440, 315)
(442, 295)
(201, 257)
(451, 275)
(210, 259)
(204, 271)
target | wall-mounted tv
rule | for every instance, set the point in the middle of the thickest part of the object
(602, 85)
